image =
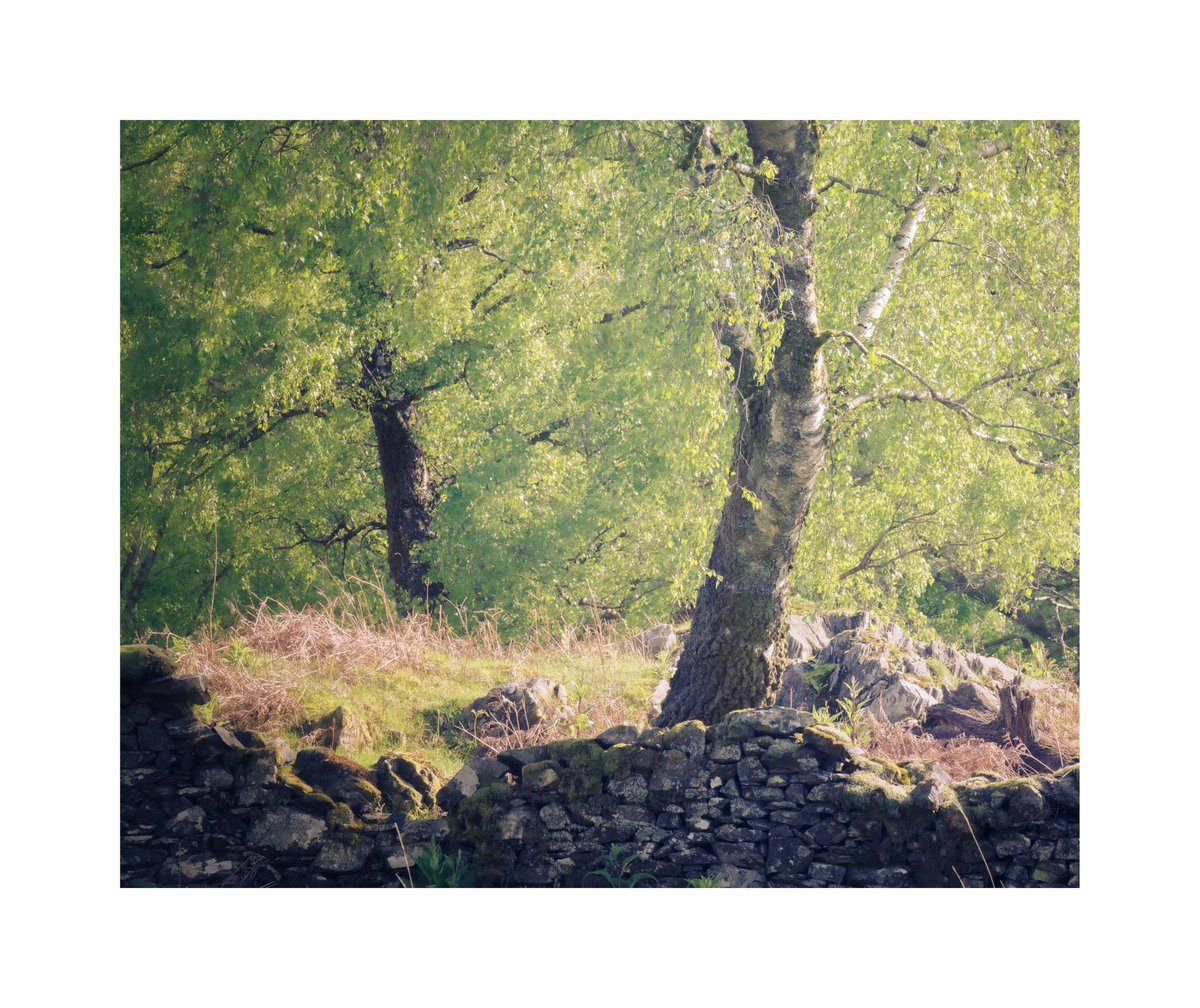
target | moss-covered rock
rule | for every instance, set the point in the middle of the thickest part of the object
(151, 672)
(776, 722)
(141, 663)
(831, 743)
(339, 778)
(588, 767)
(408, 784)
(300, 793)
(476, 819)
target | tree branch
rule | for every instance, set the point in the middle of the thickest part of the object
(902, 243)
(834, 180)
(975, 423)
(457, 244)
(620, 313)
(167, 262)
(148, 160)
(867, 561)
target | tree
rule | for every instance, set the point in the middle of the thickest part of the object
(736, 649)
(474, 293)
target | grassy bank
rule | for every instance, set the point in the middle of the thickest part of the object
(404, 684)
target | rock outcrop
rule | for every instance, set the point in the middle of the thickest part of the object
(894, 677)
(656, 641)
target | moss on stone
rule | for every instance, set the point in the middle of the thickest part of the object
(828, 741)
(942, 676)
(478, 816)
(590, 767)
(302, 794)
(893, 773)
(341, 819)
(141, 663)
(687, 736)
(867, 791)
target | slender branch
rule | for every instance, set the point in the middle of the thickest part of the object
(148, 160)
(457, 244)
(975, 423)
(866, 562)
(341, 535)
(621, 313)
(163, 264)
(834, 180)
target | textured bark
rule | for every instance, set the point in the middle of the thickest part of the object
(736, 650)
(139, 562)
(409, 495)
(1017, 705)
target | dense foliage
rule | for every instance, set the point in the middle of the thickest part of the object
(550, 296)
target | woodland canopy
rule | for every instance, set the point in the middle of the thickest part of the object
(502, 366)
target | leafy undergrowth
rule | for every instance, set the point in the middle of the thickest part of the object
(405, 683)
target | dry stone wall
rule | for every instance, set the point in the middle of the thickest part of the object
(766, 797)
(205, 806)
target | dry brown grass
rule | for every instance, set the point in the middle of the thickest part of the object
(961, 758)
(1056, 717)
(264, 701)
(348, 639)
(496, 735)
(406, 678)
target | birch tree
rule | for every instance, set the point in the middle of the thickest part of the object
(736, 650)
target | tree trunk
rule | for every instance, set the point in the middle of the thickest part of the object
(1017, 704)
(139, 562)
(409, 496)
(736, 649)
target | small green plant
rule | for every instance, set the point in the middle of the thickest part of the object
(850, 716)
(708, 882)
(437, 870)
(942, 676)
(818, 676)
(241, 654)
(615, 869)
(854, 713)
(824, 716)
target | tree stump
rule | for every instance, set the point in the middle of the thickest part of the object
(1017, 703)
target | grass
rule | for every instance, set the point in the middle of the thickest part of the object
(404, 683)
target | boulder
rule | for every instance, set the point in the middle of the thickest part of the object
(339, 729)
(286, 831)
(899, 700)
(795, 690)
(476, 774)
(805, 638)
(520, 706)
(658, 640)
(658, 698)
(895, 677)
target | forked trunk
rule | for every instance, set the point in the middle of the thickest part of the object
(735, 652)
